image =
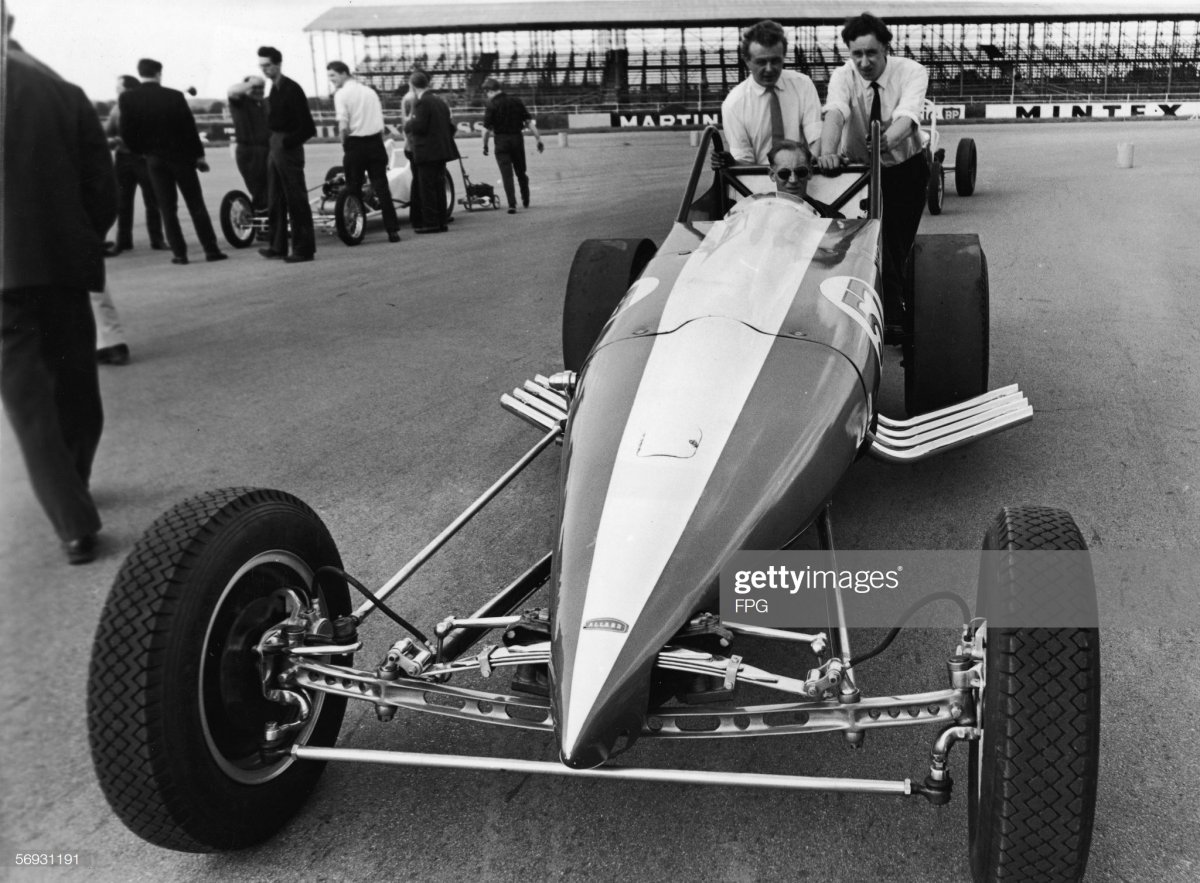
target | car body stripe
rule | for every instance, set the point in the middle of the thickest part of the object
(698, 376)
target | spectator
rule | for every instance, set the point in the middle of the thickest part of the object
(430, 132)
(508, 117)
(131, 174)
(875, 85)
(291, 124)
(157, 122)
(59, 198)
(769, 106)
(360, 123)
(248, 108)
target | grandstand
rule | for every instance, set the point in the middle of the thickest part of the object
(618, 54)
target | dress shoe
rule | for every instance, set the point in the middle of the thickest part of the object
(393, 236)
(159, 246)
(81, 550)
(441, 229)
(270, 253)
(525, 202)
(512, 210)
(215, 256)
(297, 258)
(113, 355)
(179, 259)
(111, 251)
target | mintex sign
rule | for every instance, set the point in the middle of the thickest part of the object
(1097, 110)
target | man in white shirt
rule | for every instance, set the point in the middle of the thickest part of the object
(874, 84)
(360, 122)
(772, 104)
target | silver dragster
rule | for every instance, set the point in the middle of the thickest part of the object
(715, 392)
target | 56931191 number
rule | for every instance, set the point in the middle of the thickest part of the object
(49, 859)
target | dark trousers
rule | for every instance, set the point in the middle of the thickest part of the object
(288, 198)
(51, 392)
(132, 174)
(167, 174)
(903, 188)
(428, 207)
(510, 157)
(252, 163)
(367, 155)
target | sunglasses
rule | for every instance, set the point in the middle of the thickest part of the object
(802, 173)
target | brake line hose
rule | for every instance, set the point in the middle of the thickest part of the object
(917, 605)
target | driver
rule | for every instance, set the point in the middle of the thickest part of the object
(791, 167)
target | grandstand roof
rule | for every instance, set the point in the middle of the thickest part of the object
(426, 18)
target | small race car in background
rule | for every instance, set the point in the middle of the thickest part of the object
(716, 391)
(966, 163)
(335, 210)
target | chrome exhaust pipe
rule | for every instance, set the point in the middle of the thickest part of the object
(923, 436)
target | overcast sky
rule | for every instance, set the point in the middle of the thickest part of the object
(203, 43)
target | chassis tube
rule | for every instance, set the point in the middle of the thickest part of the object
(684, 777)
(456, 525)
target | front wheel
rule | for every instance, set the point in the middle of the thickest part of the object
(237, 219)
(1033, 774)
(176, 696)
(350, 218)
(965, 163)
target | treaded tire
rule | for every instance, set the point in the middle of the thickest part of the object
(935, 190)
(1033, 776)
(175, 702)
(946, 290)
(237, 219)
(600, 275)
(350, 218)
(966, 160)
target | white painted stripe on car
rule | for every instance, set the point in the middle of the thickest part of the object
(698, 376)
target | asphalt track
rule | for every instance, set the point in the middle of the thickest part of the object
(367, 384)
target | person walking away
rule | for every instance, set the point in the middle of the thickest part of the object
(291, 124)
(430, 138)
(157, 122)
(507, 118)
(360, 124)
(131, 174)
(60, 196)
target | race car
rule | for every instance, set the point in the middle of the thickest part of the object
(335, 209)
(714, 394)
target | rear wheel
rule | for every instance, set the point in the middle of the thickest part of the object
(176, 697)
(965, 162)
(946, 290)
(600, 275)
(237, 219)
(935, 191)
(1033, 775)
(350, 218)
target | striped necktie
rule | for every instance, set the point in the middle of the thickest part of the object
(776, 114)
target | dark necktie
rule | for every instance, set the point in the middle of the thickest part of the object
(776, 115)
(876, 110)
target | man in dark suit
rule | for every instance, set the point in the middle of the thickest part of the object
(60, 195)
(430, 134)
(291, 124)
(131, 174)
(157, 122)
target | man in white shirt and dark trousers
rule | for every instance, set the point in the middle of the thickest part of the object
(875, 85)
(360, 122)
(771, 105)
